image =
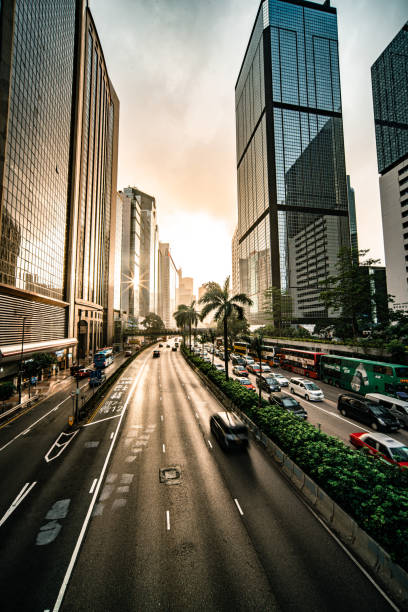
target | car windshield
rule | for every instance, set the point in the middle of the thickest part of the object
(238, 429)
(270, 381)
(379, 410)
(290, 403)
(312, 386)
(400, 453)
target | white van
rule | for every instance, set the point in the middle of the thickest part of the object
(397, 407)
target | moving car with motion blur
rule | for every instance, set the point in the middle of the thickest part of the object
(288, 403)
(382, 446)
(229, 430)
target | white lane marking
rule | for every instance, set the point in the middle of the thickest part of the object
(91, 490)
(33, 424)
(112, 434)
(136, 426)
(238, 506)
(168, 520)
(209, 444)
(62, 446)
(164, 448)
(161, 417)
(23, 493)
(116, 416)
(94, 498)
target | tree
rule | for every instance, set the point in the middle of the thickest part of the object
(153, 322)
(256, 343)
(348, 291)
(40, 361)
(7, 389)
(187, 316)
(217, 299)
(279, 307)
(397, 349)
(236, 328)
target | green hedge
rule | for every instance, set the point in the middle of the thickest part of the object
(374, 493)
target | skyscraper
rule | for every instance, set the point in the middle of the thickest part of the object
(168, 283)
(390, 97)
(149, 246)
(58, 158)
(130, 253)
(352, 216)
(185, 292)
(292, 194)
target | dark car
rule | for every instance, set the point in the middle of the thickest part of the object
(95, 381)
(230, 431)
(156, 353)
(288, 403)
(74, 369)
(267, 383)
(366, 411)
(237, 360)
(160, 346)
(174, 348)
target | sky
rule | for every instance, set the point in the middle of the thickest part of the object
(174, 65)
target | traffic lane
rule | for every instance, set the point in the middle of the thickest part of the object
(306, 566)
(39, 536)
(25, 446)
(181, 547)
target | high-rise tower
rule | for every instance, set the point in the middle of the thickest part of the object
(292, 194)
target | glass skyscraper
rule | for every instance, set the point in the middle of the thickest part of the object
(390, 97)
(292, 194)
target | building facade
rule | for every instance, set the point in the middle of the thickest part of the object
(55, 193)
(149, 262)
(185, 292)
(352, 217)
(235, 263)
(168, 285)
(292, 193)
(129, 255)
(390, 98)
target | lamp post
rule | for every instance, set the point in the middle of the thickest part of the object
(20, 369)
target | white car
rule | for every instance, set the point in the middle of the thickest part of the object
(219, 367)
(248, 360)
(283, 382)
(266, 369)
(306, 388)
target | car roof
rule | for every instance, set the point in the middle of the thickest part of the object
(384, 439)
(298, 379)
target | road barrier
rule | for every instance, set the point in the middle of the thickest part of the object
(392, 576)
(34, 399)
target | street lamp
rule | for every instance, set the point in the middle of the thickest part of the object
(20, 368)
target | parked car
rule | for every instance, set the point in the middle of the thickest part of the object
(156, 354)
(95, 381)
(306, 388)
(239, 370)
(230, 431)
(267, 383)
(382, 446)
(84, 372)
(245, 382)
(397, 407)
(288, 403)
(361, 409)
(282, 380)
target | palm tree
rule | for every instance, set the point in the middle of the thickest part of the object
(187, 316)
(255, 345)
(217, 298)
(212, 334)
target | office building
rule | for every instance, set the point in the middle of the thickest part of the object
(149, 246)
(58, 158)
(130, 254)
(390, 98)
(235, 263)
(168, 283)
(292, 192)
(185, 292)
(352, 217)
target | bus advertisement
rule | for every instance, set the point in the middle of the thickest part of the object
(363, 376)
(103, 358)
(305, 363)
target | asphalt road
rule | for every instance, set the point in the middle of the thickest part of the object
(142, 510)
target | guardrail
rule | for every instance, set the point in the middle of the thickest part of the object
(34, 399)
(391, 575)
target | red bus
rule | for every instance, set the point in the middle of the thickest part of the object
(305, 363)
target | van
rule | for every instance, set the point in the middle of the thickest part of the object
(230, 431)
(367, 411)
(397, 407)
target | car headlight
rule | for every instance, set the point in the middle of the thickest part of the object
(381, 422)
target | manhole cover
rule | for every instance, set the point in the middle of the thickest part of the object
(170, 475)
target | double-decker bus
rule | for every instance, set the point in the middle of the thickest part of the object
(305, 363)
(104, 357)
(240, 347)
(364, 376)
